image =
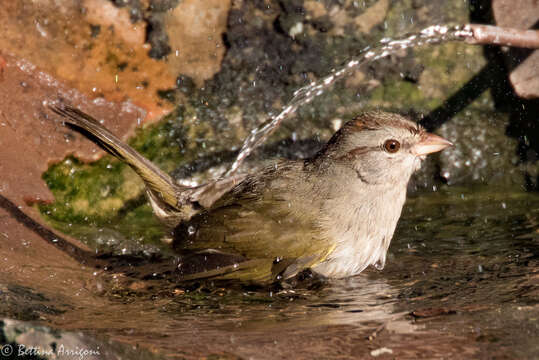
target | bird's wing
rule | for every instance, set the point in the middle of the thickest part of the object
(260, 219)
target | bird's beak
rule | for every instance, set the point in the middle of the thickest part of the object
(430, 144)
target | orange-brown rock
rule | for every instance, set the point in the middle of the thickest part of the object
(29, 137)
(91, 46)
(94, 47)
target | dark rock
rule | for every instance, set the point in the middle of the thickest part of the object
(157, 36)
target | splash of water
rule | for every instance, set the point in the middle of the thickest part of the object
(431, 35)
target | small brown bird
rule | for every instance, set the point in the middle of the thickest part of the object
(334, 213)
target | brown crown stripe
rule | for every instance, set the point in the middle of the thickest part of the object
(377, 120)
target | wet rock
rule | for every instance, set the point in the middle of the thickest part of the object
(92, 46)
(23, 340)
(522, 63)
(431, 312)
(483, 153)
(24, 303)
(188, 36)
(157, 36)
(516, 94)
(31, 139)
(195, 30)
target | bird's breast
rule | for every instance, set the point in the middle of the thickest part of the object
(361, 228)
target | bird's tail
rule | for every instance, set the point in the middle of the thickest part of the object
(162, 190)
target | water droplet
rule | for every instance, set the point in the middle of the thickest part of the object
(379, 265)
(191, 230)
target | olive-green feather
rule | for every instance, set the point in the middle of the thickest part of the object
(257, 221)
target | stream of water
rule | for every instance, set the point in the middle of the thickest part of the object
(436, 34)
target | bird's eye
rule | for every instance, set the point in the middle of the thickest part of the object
(392, 146)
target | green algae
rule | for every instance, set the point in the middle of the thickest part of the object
(447, 68)
(87, 191)
(107, 194)
(402, 92)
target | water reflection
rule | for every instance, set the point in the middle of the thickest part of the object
(461, 279)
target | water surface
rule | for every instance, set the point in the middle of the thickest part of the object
(461, 281)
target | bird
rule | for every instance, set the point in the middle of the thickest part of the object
(333, 214)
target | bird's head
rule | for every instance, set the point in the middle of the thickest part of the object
(381, 147)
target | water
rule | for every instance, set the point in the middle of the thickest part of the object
(435, 34)
(461, 281)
